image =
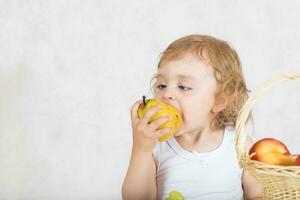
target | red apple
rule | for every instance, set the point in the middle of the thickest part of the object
(271, 151)
(297, 161)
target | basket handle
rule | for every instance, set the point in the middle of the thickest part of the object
(246, 109)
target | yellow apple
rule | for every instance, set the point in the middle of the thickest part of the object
(165, 110)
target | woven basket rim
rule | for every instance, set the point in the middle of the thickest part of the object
(243, 116)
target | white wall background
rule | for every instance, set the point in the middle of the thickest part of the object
(70, 71)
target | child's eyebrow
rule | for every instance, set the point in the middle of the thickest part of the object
(186, 77)
(179, 76)
(157, 76)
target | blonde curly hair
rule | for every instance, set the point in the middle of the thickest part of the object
(227, 71)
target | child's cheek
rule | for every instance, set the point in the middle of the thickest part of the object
(157, 95)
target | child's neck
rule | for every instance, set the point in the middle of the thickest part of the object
(203, 140)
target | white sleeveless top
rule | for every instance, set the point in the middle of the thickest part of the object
(215, 175)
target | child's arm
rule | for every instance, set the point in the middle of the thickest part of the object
(140, 180)
(252, 189)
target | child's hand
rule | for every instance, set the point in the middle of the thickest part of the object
(145, 134)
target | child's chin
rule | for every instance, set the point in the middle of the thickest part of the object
(178, 133)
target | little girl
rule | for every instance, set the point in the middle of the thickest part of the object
(202, 77)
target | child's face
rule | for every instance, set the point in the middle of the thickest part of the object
(189, 85)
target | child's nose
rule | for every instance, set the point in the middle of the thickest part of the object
(172, 99)
(168, 95)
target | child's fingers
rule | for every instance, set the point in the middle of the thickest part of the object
(145, 120)
(134, 109)
(157, 123)
(161, 132)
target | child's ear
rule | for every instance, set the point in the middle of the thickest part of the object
(221, 101)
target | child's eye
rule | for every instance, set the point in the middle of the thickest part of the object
(184, 88)
(161, 86)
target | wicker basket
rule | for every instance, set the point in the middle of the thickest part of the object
(278, 182)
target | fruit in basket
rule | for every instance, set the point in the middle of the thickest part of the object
(268, 145)
(165, 110)
(271, 151)
(297, 161)
(175, 195)
(276, 159)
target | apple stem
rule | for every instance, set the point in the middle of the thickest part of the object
(144, 100)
